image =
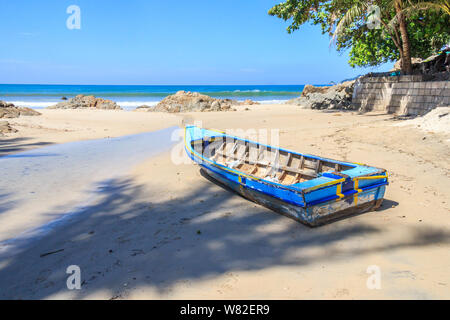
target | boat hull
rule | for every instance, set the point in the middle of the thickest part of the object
(313, 215)
(310, 189)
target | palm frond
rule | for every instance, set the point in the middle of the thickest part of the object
(350, 16)
(413, 8)
(443, 5)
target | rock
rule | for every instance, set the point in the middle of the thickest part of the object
(24, 111)
(249, 102)
(6, 128)
(398, 65)
(4, 104)
(334, 97)
(435, 64)
(143, 108)
(8, 110)
(312, 89)
(183, 101)
(231, 102)
(82, 102)
(215, 106)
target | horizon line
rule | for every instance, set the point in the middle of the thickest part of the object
(165, 85)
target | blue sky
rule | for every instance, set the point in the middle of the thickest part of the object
(162, 42)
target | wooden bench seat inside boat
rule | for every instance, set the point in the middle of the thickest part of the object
(265, 162)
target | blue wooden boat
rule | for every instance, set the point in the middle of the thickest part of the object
(310, 189)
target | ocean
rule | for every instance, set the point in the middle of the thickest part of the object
(131, 96)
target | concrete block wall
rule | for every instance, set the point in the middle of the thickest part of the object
(400, 94)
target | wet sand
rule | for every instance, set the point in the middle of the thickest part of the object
(42, 185)
(166, 232)
(59, 126)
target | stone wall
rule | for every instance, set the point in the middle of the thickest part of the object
(400, 94)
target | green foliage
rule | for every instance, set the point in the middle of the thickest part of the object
(371, 48)
(427, 35)
(429, 30)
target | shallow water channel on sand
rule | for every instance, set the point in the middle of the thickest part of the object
(42, 188)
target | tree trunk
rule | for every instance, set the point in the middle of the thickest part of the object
(406, 54)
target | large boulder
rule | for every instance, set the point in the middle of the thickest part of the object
(143, 108)
(437, 64)
(249, 102)
(9, 110)
(83, 102)
(183, 101)
(398, 65)
(6, 128)
(24, 111)
(334, 97)
(313, 89)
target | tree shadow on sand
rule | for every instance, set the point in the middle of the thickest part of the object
(132, 239)
(5, 202)
(12, 145)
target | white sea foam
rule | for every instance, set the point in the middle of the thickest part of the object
(127, 105)
(34, 104)
(136, 103)
(271, 101)
(255, 90)
(131, 105)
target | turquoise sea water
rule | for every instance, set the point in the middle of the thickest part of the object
(132, 96)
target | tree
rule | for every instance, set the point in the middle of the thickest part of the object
(405, 51)
(427, 35)
(396, 27)
(443, 5)
(404, 28)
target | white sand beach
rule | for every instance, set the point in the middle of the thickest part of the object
(164, 231)
(330, 120)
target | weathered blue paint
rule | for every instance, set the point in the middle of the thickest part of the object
(312, 202)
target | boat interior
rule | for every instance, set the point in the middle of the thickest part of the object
(265, 162)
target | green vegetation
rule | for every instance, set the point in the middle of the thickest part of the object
(400, 29)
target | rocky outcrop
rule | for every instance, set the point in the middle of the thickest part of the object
(9, 110)
(6, 128)
(334, 97)
(249, 102)
(83, 102)
(437, 64)
(313, 89)
(183, 101)
(414, 61)
(143, 108)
